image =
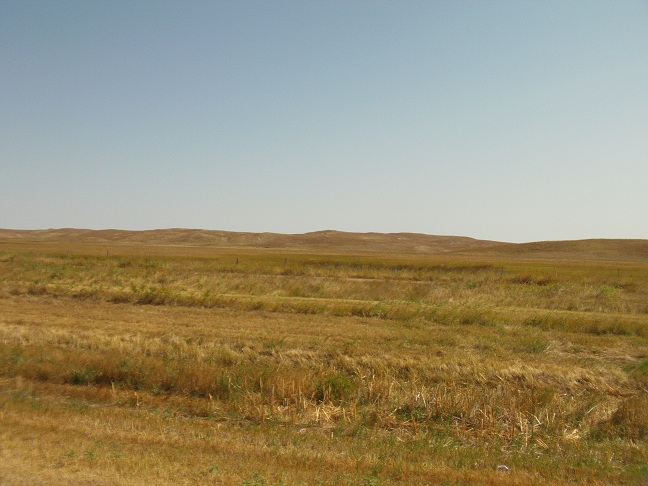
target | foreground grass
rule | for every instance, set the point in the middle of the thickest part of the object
(262, 368)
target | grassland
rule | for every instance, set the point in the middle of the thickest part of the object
(134, 364)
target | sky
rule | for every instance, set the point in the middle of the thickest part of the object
(503, 120)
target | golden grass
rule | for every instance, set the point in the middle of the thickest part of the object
(160, 365)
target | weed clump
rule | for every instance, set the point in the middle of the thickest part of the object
(334, 387)
(628, 422)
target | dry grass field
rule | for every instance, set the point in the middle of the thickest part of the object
(176, 360)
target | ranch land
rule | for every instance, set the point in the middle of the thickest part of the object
(130, 363)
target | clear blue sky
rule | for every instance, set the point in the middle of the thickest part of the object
(505, 120)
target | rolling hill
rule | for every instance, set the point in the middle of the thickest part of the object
(590, 249)
(338, 241)
(319, 240)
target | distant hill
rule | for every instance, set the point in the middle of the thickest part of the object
(339, 241)
(319, 240)
(592, 249)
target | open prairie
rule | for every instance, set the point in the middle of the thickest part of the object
(193, 357)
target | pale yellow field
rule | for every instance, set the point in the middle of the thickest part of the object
(184, 365)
